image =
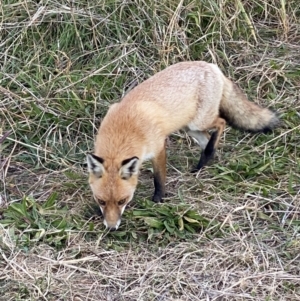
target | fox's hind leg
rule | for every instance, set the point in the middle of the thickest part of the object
(209, 148)
(202, 137)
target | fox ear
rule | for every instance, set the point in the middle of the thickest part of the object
(95, 165)
(129, 167)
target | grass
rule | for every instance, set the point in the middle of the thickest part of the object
(229, 233)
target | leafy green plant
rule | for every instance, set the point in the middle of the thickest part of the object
(172, 220)
(29, 221)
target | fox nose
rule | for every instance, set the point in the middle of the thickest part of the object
(112, 227)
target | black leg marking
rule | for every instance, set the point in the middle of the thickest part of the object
(208, 153)
(159, 189)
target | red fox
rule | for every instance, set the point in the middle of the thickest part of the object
(195, 96)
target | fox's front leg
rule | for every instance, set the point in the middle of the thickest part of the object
(159, 169)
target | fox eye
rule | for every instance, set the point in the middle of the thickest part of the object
(122, 202)
(101, 202)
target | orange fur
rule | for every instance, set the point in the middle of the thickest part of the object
(192, 95)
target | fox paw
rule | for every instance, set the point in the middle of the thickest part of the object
(157, 199)
(195, 170)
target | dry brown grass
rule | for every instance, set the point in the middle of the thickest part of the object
(222, 269)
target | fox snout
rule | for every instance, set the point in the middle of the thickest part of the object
(112, 225)
(112, 216)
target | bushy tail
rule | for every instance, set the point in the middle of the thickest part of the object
(241, 113)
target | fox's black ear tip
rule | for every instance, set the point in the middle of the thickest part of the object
(133, 160)
(91, 156)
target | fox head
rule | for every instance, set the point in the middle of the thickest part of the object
(113, 185)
